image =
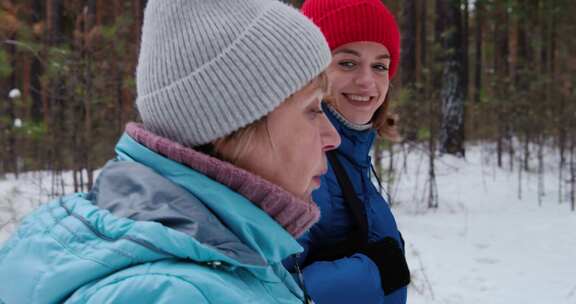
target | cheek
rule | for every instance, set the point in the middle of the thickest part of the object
(384, 85)
(303, 156)
(337, 81)
(310, 152)
(303, 142)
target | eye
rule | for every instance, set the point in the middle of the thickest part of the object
(317, 112)
(347, 64)
(313, 113)
(380, 67)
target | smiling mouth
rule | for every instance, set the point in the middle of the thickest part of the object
(358, 99)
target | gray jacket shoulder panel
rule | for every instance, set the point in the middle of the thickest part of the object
(131, 190)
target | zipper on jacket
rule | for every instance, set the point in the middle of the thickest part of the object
(307, 299)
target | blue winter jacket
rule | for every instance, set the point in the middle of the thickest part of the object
(354, 279)
(151, 231)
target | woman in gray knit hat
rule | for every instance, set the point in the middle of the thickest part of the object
(204, 199)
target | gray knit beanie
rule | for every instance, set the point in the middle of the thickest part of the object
(210, 67)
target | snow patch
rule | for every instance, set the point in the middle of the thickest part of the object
(484, 244)
(14, 93)
(17, 123)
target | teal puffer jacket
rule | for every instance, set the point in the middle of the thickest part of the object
(151, 231)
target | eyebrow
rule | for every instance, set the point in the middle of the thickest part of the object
(347, 51)
(355, 53)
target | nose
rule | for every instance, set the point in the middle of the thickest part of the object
(365, 78)
(329, 136)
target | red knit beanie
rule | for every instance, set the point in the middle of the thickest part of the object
(345, 21)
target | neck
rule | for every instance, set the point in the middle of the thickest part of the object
(347, 123)
(292, 213)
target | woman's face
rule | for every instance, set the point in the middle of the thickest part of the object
(289, 150)
(359, 81)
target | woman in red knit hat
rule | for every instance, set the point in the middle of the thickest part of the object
(355, 254)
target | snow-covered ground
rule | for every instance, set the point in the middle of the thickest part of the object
(19, 196)
(483, 245)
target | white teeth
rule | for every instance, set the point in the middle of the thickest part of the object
(358, 98)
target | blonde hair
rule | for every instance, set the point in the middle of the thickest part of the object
(232, 147)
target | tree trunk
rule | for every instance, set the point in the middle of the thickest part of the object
(11, 113)
(479, 24)
(53, 108)
(53, 19)
(453, 87)
(89, 24)
(572, 174)
(562, 154)
(36, 69)
(433, 200)
(526, 159)
(408, 70)
(541, 186)
(500, 85)
(423, 43)
(7, 108)
(408, 60)
(465, 46)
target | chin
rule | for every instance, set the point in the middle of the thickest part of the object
(357, 116)
(361, 119)
(308, 199)
(308, 195)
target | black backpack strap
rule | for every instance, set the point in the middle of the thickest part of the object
(358, 236)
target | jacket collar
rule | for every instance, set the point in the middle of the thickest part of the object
(355, 145)
(133, 191)
(245, 220)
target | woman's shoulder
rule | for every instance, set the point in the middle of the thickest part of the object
(173, 281)
(144, 283)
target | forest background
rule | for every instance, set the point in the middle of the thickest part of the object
(496, 72)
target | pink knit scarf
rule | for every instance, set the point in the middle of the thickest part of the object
(294, 214)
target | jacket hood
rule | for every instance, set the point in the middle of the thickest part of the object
(144, 208)
(130, 190)
(242, 218)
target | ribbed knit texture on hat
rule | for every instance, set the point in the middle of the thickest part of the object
(346, 21)
(210, 67)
